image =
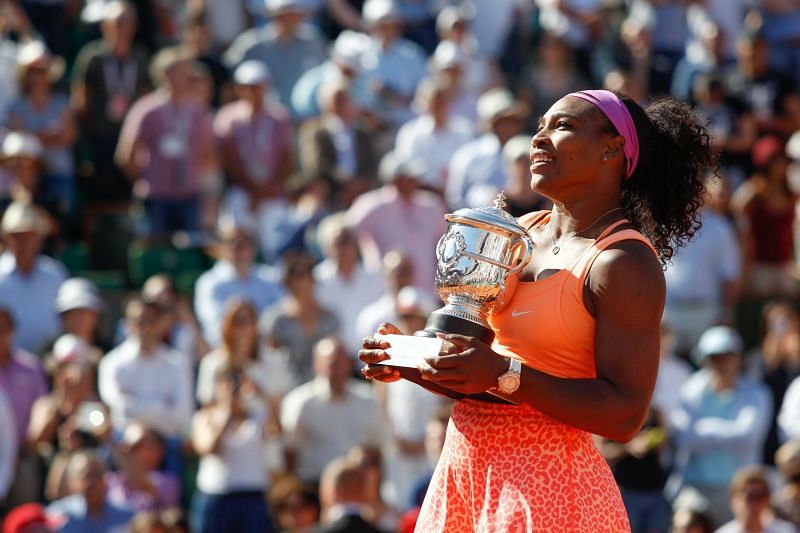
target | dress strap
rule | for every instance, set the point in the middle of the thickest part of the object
(533, 219)
(604, 241)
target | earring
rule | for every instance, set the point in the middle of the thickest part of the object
(605, 157)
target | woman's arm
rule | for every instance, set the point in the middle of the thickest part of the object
(207, 435)
(626, 288)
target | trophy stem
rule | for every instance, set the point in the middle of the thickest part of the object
(460, 315)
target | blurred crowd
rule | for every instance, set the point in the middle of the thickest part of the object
(207, 204)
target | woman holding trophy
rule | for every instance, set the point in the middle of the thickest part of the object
(575, 350)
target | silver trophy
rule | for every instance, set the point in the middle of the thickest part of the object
(480, 258)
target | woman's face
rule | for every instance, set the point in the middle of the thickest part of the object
(567, 150)
(244, 325)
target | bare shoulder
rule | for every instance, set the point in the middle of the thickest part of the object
(627, 277)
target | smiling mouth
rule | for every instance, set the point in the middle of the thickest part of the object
(541, 158)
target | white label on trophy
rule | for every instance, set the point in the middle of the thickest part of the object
(409, 351)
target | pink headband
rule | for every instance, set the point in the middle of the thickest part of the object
(619, 116)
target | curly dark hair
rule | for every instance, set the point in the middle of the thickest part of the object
(665, 191)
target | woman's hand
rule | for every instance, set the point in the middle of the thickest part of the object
(471, 366)
(373, 351)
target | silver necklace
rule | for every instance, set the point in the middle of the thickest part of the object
(556, 248)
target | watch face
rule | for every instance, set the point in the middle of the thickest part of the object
(508, 383)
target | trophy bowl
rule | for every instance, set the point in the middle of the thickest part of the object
(479, 260)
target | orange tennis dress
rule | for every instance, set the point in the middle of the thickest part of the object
(511, 468)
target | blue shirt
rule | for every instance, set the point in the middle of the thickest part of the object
(305, 99)
(31, 299)
(261, 287)
(716, 433)
(73, 509)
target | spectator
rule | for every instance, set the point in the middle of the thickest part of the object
(704, 56)
(640, 475)
(23, 164)
(344, 65)
(325, 417)
(450, 62)
(181, 328)
(789, 414)
(232, 475)
(296, 505)
(344, 497)
(384, 515)
(750, 503)
(12, 20)
(337, 148)
(777, 361)
(721, 423)
(225, 20)
(234, 274)
(298, 321)
(435, 135)
(552, 75)
(673, 372)
(781, 26)
(166, 145)
(87, 509)
(493, 23)
(765, 206)
(29, 518)
(690, 521)
(703, 280)
(45, 113)
(139, 485)
(267, 371)
(29, 281)
(395, 64)
(578, 22)
(787, 499)
(8, 447)
(344, 285)
(286, 45)
(479, 162)
(144, 380)
(198, 38)
(398, 274)
(109, 75)
(255, 140)
(400, 216)
(79, 305)
(771, 95)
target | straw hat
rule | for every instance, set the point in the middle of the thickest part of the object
(22, 217)
(36, 54)
(20, 144)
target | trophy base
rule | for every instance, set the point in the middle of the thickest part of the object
(446, 323)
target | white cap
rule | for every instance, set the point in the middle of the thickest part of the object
(21, 217)
(36, 52)
(349, 47)
(78, 293)
(498, 102)
(450, 15)
(18, 144)
(793, 146)
(275, 6)
(70, 348)
(448, 55)
(378, 11)
(99, 10)
(252, 72)
(516, 147)
(392, 166)
(717, 340)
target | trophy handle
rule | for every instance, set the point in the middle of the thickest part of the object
(528, 244)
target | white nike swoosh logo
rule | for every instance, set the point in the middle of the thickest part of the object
(515, 313)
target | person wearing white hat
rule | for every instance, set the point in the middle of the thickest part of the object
(480, 161)
(396, 64)
(110, 74)
(287, 45)
(79, 305)
(29, 280)
(400, 215)
(21, 159)
(436, 134)
(344, 64)
(721, 421)
(255, 140)
(44, 112)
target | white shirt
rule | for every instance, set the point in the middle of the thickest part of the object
(789, 414)
(320, 428)
(347, 297)
(699, 269)
(30, 299)
(381, 310)
(240, 462)
(271, 372)
(155, 389)
(419, 139)
(216, 286)
(672, 374)
(479, 162)
(8, 446)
